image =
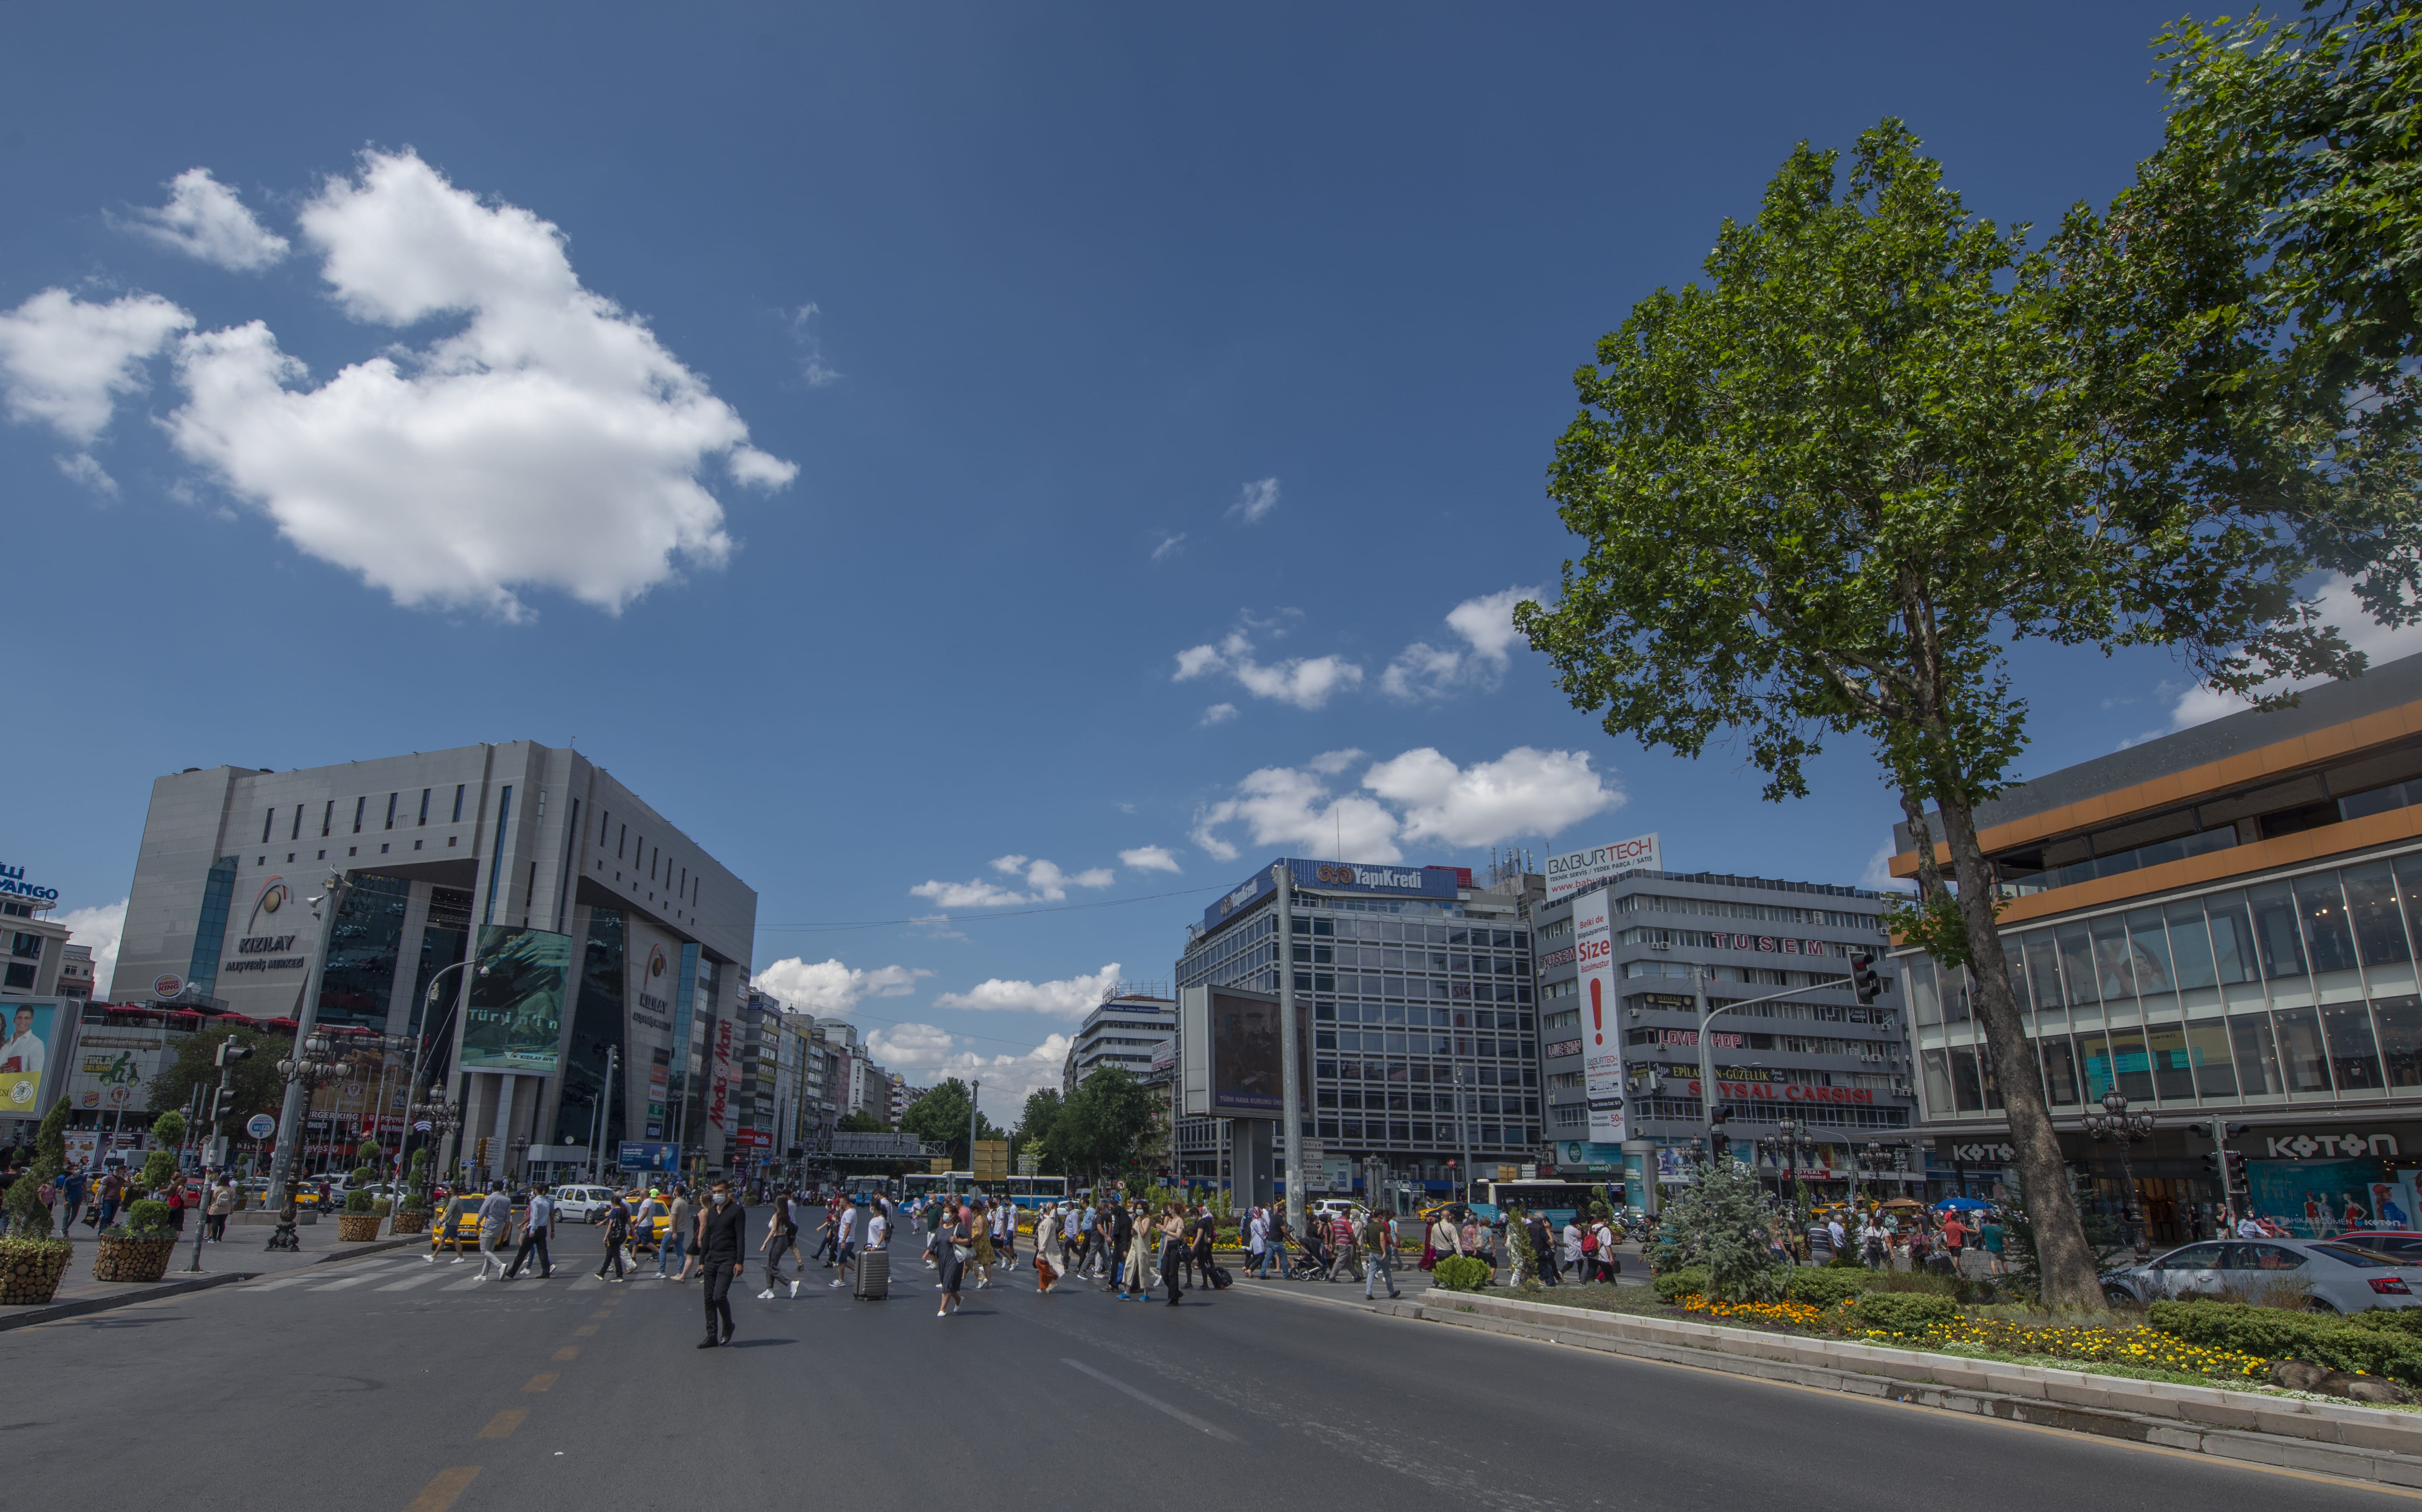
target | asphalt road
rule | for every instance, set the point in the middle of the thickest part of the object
(388, 1385)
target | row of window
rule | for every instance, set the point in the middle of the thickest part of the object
(1747, 975)
(1417, 1016)
(1423, 1102)
(1423, 1073)
(361, 814)
(1484, 1137)
(1431, 989)
(2339, 1048)
(1381, 958)
(1758, 1111)
(1716, 908)
(1376, 1042)
(1814, 1013)
(1391, 932)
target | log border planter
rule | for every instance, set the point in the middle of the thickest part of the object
(356, 1228)
(30, 1271)
(124, 1258)
(404, 1224)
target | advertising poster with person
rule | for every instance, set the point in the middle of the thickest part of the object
(32, 1054)
(514, 1020)
(2320, 1198)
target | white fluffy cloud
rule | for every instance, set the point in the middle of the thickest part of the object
(831, 987)
(1485, 625)
(551, 441)
(101, 928)
(1524, 792)
(1254, 500)
(203, 218)
(1044, 880)
(1305, 682)
(1421, 796)
(64, 361)
(1219, 713)
(1070, 997)
(1150, 859)
(1169, 543)
(2198, 704)
(926, 1055)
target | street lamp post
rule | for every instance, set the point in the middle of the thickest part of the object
(443, 1117)
(313, 1064)
(294, 1110)
(2126, 1129)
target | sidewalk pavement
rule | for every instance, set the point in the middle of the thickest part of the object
(241, 1257)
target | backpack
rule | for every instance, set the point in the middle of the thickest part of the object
(1589, 1241)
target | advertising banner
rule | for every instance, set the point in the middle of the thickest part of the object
(1601, 1024)
(2317, 1199)
(514, 1020)
(1579, 869)
(33, 1053)
(651, 968)
(647, 1155)
(1246, 1074)
(113, 1067)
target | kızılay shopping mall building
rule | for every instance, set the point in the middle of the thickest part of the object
(2222, 922)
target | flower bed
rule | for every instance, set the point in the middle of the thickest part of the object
(2143, 1349)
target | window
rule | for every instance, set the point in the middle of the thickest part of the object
(328, 819)
(267, 821)
(298, 826)
(26, 946)
(620, 838)
(458, 804)
(424, 805)
(21, 976)
(390, 808)
(361, 807)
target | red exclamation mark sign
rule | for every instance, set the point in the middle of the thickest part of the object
(1597, 1012)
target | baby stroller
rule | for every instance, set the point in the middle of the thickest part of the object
(1311, 1262)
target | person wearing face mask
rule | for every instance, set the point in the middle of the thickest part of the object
(720, 1259)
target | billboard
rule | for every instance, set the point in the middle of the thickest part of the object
(651, 964)
(1576, 869)
(647, 1155)
(112, 1069)
(1246, 1074)
(32, 1054)
(1439, 882)
(514, 1020)
(1601, 1025)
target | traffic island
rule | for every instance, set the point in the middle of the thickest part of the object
(2327, 1438)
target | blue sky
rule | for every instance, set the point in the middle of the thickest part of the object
(938, 457)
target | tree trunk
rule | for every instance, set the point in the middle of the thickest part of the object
(2062, 1254)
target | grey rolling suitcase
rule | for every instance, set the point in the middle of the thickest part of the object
(874, 1279)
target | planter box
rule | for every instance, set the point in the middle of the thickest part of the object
(133, 1260)
(356, 1228)
(30, 1271)
(409, 1223)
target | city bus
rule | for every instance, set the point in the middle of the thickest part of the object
(1556, 1200)
(1024, 1192)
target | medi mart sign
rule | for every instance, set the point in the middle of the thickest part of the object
(1576, 869)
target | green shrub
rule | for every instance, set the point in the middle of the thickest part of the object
(2373, 1342)
(2396, 1320)
(358, 1200)
(1906, 1313)
(1462, 1273)
(1822, 1286)
(146, 1219)
(1672, 1285)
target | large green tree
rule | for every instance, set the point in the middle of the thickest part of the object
(255, 1083)
(1821, 494)
(1102, 1126)
(940, 1117)
(1034, 1123)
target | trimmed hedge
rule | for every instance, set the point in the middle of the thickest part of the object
(1907, 1312)
(1462, 1273)
(1822, 1286)
(2377, 1342)
(1672, 1285)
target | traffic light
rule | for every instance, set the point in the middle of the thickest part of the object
(229, 1052)
(1863, 980)
(480, 1158)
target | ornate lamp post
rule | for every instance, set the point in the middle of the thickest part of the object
(2124, 1128)
(437, 1116)
(313, 1064)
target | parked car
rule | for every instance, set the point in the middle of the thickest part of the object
(2340, 1277)
(2385, 1241)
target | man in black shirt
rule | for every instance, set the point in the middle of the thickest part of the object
(1121, 1238)
(720, 1259)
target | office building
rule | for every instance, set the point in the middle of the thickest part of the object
(2221, 925)
(1129, 1030)
(37, 943)
(1836, 1067)
(1409, 980)
(438, 847)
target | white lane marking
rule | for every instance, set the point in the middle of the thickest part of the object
(1179, 1414)
(282, 1280)
(464, 1284)
(340, 1285)
(589, 1283)
(408, 1283)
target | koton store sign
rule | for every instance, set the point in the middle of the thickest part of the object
(1579, 869)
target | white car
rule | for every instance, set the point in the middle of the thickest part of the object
(2341, 1277)
(582, 1205)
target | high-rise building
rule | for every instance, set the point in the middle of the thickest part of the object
(1128, 1029)
(1837, 1068)
(440, 848)
(2221, 925)
(1409, 980)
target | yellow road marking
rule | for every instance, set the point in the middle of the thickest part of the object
(440, 1492)
(540, 1383)
(601, 1314)
(570, 1351)
(504, 1423)
(584, 1330)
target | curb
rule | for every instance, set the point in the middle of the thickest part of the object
(53, 1312)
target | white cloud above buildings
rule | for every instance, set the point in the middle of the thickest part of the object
(2197, 704)
(99, 927)
(926, 1055)
(204, 218)
(1305, 682)
(1486, 626)
(1070, 997)
(1421, 796)
(1042, 881)
(549, 442)
(1149, 859)
(66, 362)
(831, 987)
(1255, 500)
